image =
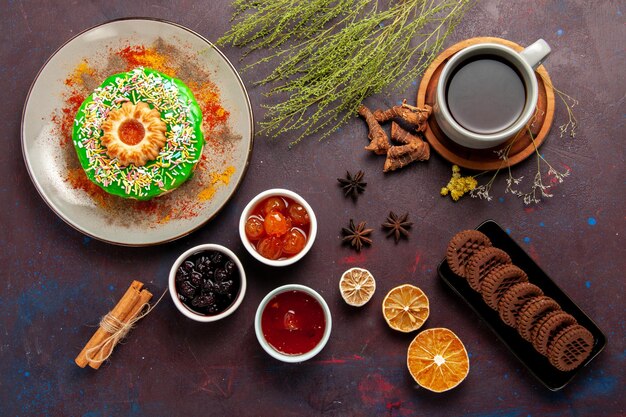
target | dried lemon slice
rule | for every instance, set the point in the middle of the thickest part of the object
(437, 360)
(357, 285)
(405, 308)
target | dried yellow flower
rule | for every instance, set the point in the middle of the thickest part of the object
(458, 186)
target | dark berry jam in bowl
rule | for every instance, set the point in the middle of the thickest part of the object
(293, 323)
(207, 282)
(278, 227)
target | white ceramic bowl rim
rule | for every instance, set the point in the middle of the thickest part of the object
(281, 192)
(527, 74)
(281, 356)
(172, 282)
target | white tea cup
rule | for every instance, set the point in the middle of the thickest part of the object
(522, 63)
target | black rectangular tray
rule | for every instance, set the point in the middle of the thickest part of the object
(537, 364)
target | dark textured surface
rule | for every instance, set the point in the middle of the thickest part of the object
(56, 282)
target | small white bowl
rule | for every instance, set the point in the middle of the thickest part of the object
(280, 193)
(281, 356)
(172, 283)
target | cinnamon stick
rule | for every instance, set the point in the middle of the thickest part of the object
(121, 311)
(105, 351)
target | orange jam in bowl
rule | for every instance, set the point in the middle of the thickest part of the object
(278, 227)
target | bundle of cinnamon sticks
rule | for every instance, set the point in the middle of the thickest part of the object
(114, 326)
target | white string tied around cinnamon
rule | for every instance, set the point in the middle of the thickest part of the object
(118, 331)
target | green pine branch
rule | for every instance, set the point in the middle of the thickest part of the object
(333, 54)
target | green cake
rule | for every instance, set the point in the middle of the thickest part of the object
(139, 134)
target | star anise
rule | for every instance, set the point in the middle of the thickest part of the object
(352, 185)
(357, 235)
(397, 225)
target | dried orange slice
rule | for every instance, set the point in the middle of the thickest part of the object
(437, 360)
(357, 285)
(405, 308)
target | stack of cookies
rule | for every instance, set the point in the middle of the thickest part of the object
(522, 305)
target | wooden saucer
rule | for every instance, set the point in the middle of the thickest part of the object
(486, 159)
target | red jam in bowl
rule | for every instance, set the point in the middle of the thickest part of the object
(293, 322)
(278, 227)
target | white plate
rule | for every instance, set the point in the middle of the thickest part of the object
(115, 220)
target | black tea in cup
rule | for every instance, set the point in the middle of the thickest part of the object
(485, 94)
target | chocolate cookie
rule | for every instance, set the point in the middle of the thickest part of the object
(482, 262)
(514, 299)
(532, 312)
(498, 281)
(551, 324)
(570, 347)
(463, 245)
